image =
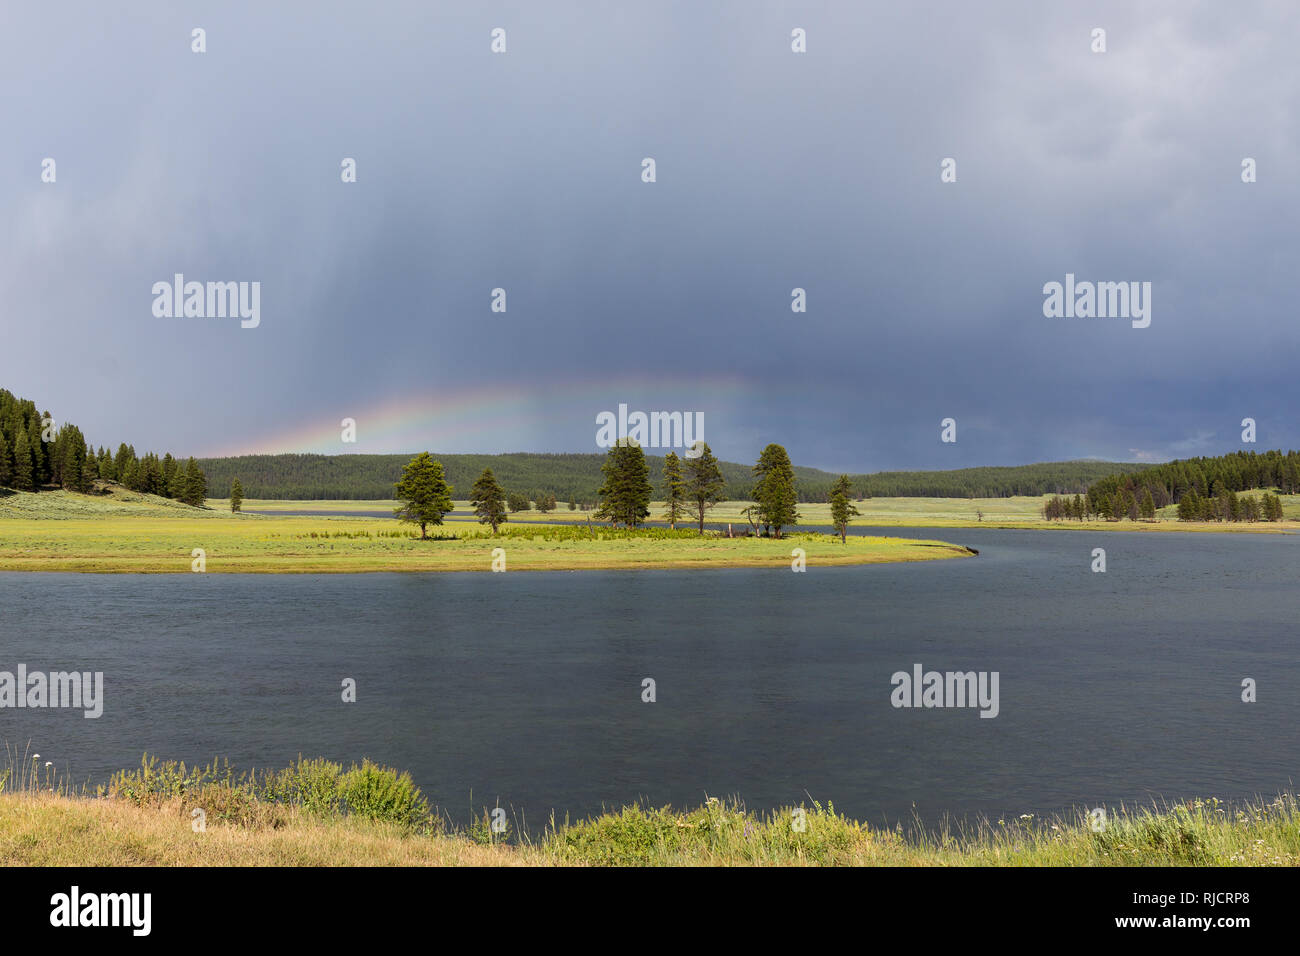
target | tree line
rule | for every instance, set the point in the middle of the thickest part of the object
(577, 478)
(692, 486)
(1211, 486)
(36, 453)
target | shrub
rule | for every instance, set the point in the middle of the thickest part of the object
(378, 793)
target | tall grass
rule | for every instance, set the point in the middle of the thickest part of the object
(298, 800)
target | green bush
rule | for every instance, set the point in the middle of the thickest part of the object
(378, 793)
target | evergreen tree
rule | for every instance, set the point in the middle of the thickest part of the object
(674, 490)
(40, 466)
(169, 470)
(774, 489)
(6, 462)
(89, 472)
(625, 495)
(489, 500)
(236, 495)
(425, 491)
(196, 485)
(841, 507)
(1148, 506)
(23, 462)
(704, 484)
(517, 501)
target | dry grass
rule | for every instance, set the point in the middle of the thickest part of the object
(53, 830)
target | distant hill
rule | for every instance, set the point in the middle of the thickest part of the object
(326, 477)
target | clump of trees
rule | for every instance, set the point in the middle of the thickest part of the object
(1227, 506)
(36, 453)
(1211, 486)
(1230, 506)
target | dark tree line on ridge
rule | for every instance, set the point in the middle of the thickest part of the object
(1205, 489)
(577, 478)
(36, 453)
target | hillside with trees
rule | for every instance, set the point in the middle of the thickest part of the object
(1205, 489)
(578, 477)
(38, 453)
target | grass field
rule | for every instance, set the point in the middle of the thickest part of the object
(129, 532)
(149, 543)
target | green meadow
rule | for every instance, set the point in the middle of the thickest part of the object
(60, 531)
(131, 532)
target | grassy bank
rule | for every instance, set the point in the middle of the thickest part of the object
(296, 817)
(151, 544)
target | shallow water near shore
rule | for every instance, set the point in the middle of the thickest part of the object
(526, 688)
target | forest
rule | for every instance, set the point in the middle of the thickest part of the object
(38, 453)
(577, 477)
(1205, 489)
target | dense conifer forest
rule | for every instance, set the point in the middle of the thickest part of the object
(37, 453)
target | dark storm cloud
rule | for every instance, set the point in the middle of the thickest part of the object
(775, 170)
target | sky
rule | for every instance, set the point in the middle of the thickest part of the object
(774, 170)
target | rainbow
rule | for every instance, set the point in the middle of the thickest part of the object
(446, 421)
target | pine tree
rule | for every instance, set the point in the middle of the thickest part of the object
(489, 500)
(40, 467)
(425, 491)
(1148, 506)
(89, 472)
(195, 485)
(236, 495)
(23, 471)
(704, 483)
(6, 462)
(774, 489)
(674, 490)
(841, 508)
(625, 495)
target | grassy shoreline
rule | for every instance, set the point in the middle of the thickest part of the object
(306, 546)
(317, 814)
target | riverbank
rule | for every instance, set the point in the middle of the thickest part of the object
(55, 830)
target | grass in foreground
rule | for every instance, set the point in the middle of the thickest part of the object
(317, 814)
